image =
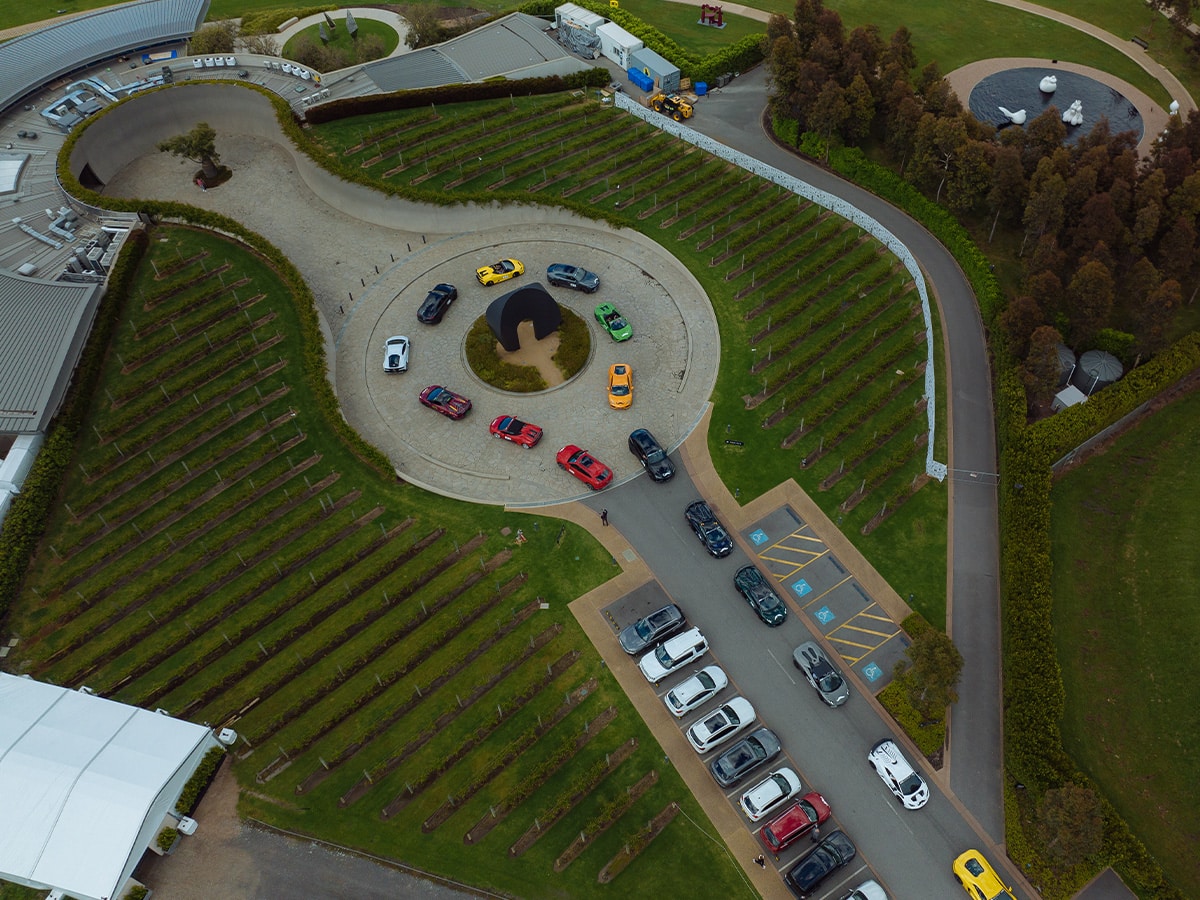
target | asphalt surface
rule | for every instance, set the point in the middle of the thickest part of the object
(733, 116)
(908, 852)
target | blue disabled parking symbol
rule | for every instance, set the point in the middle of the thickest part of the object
(825, 615)
(872, 672)
(759, 537)
(801, 588)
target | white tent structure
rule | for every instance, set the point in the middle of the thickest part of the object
(85, 785)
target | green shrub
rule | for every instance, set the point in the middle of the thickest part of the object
(267, 21)
(929, 736)
(167, 838)
(199, 782)
(137, 892)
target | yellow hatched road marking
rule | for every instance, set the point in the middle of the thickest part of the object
(826, 593)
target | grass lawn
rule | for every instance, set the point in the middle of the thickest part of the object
(341, 41)
(681, 23)
(1127, 623)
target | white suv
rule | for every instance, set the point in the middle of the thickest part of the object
(675, 653)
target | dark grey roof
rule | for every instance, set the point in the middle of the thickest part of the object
(31, 60)
(43, 326)
(515, 45)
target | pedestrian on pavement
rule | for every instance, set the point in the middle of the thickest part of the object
(604, 517)
(816, 833)
(761, 861)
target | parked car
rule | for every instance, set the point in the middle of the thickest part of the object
(395, 354)
(818, 863)
(978, 878)
(694, 692)
(563, 275)
(708, 528)
(584, 466)
(900, 777)
(500, 271)
(762, 598)
(510, 428)
(445, 401)
(672, 655)
(770, 794)
(810, 811)
(437, 301)
(868, 890)
(651, 455)
(613, 322)
(823, 675)
(620, 386)
(756, 749)
(721, 724)
(652, 629)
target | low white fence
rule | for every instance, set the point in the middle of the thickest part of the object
(834, 204)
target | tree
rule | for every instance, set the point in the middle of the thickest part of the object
(1009, 187)
(861, 110)
(1070, 824)
(215, 37)
(1156, 314)
(938, 142)
(930, 673)
(900, 50)
(830, 111)
(1090, 295)
(1042, 368)
(1044, 211)
(1021, 317)
(970, 176)
(198, 145)
(261, 45)
(423, 26)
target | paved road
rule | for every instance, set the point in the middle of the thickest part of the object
(908, 852)
(732, 115)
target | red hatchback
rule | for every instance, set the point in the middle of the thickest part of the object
(585, 467)
(809, 810)
(510, 428)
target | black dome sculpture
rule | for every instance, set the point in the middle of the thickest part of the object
(531, 301)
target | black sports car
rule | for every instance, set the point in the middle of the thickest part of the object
(436, 303)
(651, 455)
(711, 532)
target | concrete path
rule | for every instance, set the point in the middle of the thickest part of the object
(387, 16)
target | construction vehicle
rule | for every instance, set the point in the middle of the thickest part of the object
(671, 105)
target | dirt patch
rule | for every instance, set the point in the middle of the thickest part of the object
(532, 352)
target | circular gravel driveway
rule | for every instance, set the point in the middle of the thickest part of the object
(673, 354)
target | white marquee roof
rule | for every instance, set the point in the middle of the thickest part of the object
(79, 778)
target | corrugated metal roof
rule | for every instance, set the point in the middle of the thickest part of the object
(31, 60)
(515, 43)
(43, 325)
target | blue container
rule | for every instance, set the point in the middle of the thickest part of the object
(701, 88)
(641, 79)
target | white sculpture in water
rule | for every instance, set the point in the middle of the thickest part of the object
(1049, 84)
(1017, 118)
(1074, 113)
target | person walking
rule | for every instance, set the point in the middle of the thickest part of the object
(604, 517)
(816, 833)
(760, 861)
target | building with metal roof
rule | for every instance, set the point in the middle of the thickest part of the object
(43, 326)
(35, 58)
(514, 46)
(87, 783)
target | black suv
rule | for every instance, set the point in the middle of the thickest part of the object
(653, 629)
(651, 455)
(828, 856)
(436, 303)
(760, 747)
(711, 532)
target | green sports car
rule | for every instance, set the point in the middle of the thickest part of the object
(613, 322)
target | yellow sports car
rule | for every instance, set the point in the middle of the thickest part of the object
(978, 878)
(500, 271)
(620, 386)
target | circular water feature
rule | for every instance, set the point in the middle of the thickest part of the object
(1017, 89)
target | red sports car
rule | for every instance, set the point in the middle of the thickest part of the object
(585, 467)
(445, 401)
(510, 428)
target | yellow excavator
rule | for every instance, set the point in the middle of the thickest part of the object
(671, 105)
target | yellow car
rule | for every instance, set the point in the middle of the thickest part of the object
(500, 271)
(978, 878)
(620, 386)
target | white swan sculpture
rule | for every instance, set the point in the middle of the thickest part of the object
(1174, 107)
(1049, 84)
(1074, 113)
(1017, 118)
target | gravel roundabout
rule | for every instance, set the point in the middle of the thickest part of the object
(370, 261)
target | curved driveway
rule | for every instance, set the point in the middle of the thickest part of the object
(733, 115)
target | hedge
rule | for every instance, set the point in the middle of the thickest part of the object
(26, 520)
(193, 791)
